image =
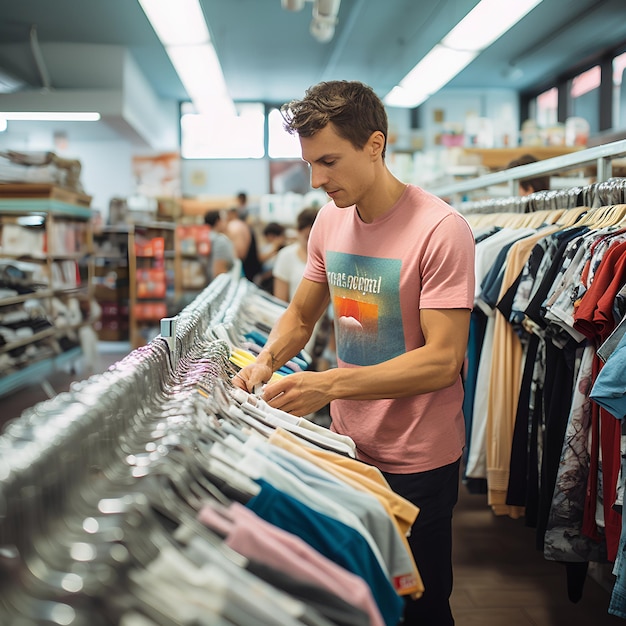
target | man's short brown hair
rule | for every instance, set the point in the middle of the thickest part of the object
(352, 107)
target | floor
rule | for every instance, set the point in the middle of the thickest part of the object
(500, 579)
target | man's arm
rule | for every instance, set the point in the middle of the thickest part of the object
(281, 289)
(434, 366)
(289, 335)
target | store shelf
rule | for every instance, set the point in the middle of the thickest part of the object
(44, 334)
(43, 206)
(61, 245)
(499, 158)
(37, 371)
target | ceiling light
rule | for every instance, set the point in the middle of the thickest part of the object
(177, 23)
(199, 70)
(436, 69)
(184, 33)
(485, 23)
(50, 116)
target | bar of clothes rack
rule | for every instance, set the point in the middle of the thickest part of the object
(545, 376)
(158, 493)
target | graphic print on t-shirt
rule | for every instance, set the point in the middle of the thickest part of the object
(365, 293)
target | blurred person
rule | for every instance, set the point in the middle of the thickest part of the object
(290, 265)
(530, 185)
(243, 238)
(222, 254)
(291, 260)
(275, 239)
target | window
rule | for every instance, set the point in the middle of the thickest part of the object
(547, 108)
(281, 145)
(585, 97)
(223, 135)
(619, 92)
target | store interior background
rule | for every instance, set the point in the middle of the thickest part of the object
(107, 56)
(77, 55)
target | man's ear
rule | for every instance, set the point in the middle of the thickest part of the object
(376, 144)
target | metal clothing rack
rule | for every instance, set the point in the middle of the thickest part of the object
(55, 458)
(606, 190)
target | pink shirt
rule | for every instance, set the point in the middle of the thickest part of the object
(419, 254)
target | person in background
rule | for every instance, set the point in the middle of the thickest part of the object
(243, 238)
(398, 264)
(291, 260)
(530, 185)
(275, 239)
(290, 265)
(222, 255)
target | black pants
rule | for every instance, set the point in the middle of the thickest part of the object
(435, 493)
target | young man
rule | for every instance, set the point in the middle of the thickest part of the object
(398, 264)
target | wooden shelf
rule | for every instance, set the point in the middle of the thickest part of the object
(44, 191)
(499, 158)
(44, 334)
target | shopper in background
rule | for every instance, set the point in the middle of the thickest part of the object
(291, 260)
(243, 238)
(222, 255)
(530, 185)
(398, 264)
(290, 265)
(275, 240)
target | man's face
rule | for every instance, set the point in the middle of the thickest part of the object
(342, 171)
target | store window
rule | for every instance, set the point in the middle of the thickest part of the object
(225, 135)
(619, 91)
(546, 108)
(585, 97)
(281, 144)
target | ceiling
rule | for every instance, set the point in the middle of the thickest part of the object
(268, 54)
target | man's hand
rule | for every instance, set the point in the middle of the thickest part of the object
(300, 393)
(251, 376)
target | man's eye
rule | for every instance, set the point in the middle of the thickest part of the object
(328, 163)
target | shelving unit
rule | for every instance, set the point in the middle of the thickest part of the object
(112, 282)
(137, 280)
(47, 265)
(193, 245)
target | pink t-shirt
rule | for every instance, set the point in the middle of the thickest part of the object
(420, 254)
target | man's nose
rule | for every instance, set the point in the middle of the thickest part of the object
(318, 178)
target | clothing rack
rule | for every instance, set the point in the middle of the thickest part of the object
(534, 360)
(606, 189)
(105, 489)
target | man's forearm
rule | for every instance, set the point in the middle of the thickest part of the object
(288, 336)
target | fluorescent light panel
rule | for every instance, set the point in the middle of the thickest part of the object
(486, 22)
(177, 22)
(182, 29)
(50, 116)
(483, 25)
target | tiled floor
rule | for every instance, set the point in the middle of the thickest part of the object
(500, 579)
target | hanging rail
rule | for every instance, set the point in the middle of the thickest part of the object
(602, 156)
